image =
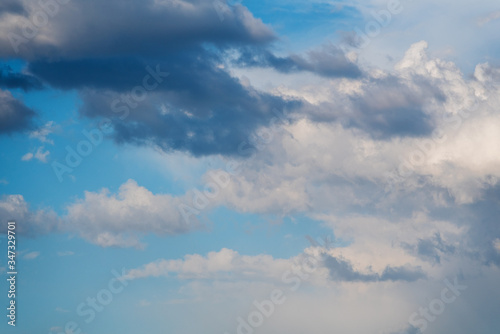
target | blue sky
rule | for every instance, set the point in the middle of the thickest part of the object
(219, 139)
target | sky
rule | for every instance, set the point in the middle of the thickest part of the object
(241, 167)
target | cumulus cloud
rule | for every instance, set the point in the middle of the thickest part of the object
(224, 263)
(228, 264)
(210, 112)
(119, 219)
(443, 175)
(108, 219)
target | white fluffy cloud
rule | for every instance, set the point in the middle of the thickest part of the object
(119, 219)
(313, 157)
(104, 218)
(225, 263)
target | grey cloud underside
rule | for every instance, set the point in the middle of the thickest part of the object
(485, 226)
(410, 330)
(28, 222)
(209, 112)
(328, 61)
(431, 249)
(386, 108)
(11, 6)
(10, 79)
(14, 114)
(152, 28)
(342, 270)
(102, 56)
(197, 108)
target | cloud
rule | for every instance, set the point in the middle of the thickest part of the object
(323, 163)
(40, 155)
(341, 270)
(107, 219)
(14, 114)
(171, 25)
(410, 330)
(65, 253)
(496, 243)
(119, 219)
(486, 19)
(431, 249)
(328, 61)
(44, 131)
(12, 6)
(225, 263)
(29, 222)
(27, 157)
(9, 79)
(31, 255)
(210, 112)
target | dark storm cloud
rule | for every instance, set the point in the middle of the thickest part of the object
(10, 79)
(14, 115)
(328, 61)
(95, 28)
(198, 108)
(342, 270)
(118, 74)
(103, 49)
(11, 6)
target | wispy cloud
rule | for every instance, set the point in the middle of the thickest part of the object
(65, 253)
(31, 255)
(488, 18)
